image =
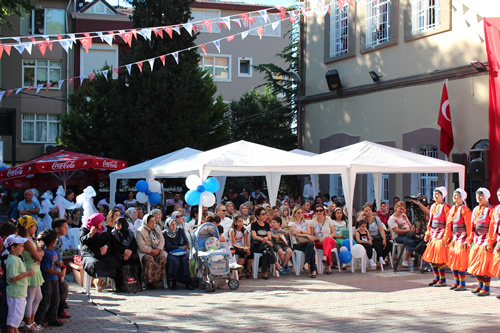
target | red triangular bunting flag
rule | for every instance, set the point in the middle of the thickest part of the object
(49, 44)
(7, 49)
(260, 31)
(155, 30)
(91, 76)
(204, 48)
(139, 64)
(49, 84)
(292, 19)
(208, 25)
(43, 47)
(230, 38)
(127, 37)
(162, 58)
(1, 51)
(168, 30)
(219, 25)
(86, 42)
(10, 92)
(282, 13)
(31, 39)
(252, 19)
(70, 81)
(116, 71)
(30, 88)
(112, 33)
(244, 16)
(59, 37)
(134, 32)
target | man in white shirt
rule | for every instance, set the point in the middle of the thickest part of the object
(225, 221)
(308, 193)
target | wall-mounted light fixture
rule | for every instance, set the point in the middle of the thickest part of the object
(375, 77)
(479, 66)
(333, 80)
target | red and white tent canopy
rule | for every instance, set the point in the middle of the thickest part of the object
(61, 167)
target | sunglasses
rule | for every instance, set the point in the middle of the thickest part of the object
(178, 217)
(224, 211)
(263, 214)
(319, 210)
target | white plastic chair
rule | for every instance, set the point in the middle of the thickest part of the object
(298, 259)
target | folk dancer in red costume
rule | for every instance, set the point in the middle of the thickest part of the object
(482, 239)
(437, 251)
(459, 226)
(495, 265)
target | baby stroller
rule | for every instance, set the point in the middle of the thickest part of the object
(210, 266)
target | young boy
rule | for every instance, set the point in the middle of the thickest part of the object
(280, 244)
(61, 227)
(50, 288)
(17, 290)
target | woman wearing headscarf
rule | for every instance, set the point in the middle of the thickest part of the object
(124, 249)
(150, 242)
(131, 217)
(177, 246)
(178, 218)
(285, 215)
(436, 252)
(459, 226)
(245, 212)
(482, 239)
(95, 243)
(158, 215)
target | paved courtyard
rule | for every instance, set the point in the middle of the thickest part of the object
(341, 302)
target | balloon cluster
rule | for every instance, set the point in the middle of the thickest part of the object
(148, 191)
(201, 192)
(347, 253)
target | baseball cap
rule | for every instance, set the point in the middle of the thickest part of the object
(14, 239)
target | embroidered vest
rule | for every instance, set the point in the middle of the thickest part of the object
(483, 222)
(439, 219)
(459, 222)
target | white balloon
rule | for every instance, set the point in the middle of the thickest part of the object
(358, 251)
(192, 182)
(207, 199)
(141, 197)
(154, 186)
(342, 249)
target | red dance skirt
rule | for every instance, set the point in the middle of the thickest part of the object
(480, 261)
(458, 256)
(495, 264)
(436, 252)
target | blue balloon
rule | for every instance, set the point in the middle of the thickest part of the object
(345, 257)
(346, 244)
(148, 192)
(211, 185)
(200, 189)
(142, 186)
(154, 198)
(192, 197)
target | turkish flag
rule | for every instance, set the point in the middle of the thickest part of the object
(492, 38)
(444, 121)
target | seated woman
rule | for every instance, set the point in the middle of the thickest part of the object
(124, 249)
(304, 240)
(96, 258)
(261, 242)
(76, 218)
(240, 241)
(323, 229)
(285, 216)
(177, 246)
(377, 234)
(150, 242)
(111, 218)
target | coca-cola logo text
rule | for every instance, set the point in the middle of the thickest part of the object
(63, 165)
(110, 164)
(14, 172)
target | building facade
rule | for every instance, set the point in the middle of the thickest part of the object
(412, 46)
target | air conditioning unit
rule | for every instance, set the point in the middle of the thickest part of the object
(48, 147)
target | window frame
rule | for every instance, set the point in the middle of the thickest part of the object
(250, 62)
(55, 84)
(35, 121)
(215, 27)
(351, 38)
(32, 23)
(445, 25)
(431, 178)
(393, 27)
(228, 56)
(252, 27)
(103, 47)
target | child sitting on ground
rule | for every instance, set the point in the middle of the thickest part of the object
(280, 243)
(60, 226)
(17, 290)
(53, 271)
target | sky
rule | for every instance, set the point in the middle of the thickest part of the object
(260, 2)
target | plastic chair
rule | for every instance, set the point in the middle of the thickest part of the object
(399, 247)
(298, 259)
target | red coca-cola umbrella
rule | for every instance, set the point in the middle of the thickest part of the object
(60, 167)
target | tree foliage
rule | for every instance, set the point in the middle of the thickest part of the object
(14, 7)
(150, 113)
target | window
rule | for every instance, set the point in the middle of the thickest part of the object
(370, 188)
(43, 22)
(201, 15)
(427, 182)
(336, 186)
(37, 72)
(40, 128)
(377, 22)
(100, 8)
(218, 66)
(99, 55)
(268, 28)
(427, 17)
(339, 29)
(244, 67)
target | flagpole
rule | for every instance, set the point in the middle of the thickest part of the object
(446, 177)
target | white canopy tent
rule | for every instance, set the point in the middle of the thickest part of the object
(371, 158)
(314, 177)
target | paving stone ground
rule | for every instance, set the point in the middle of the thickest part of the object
(341, 302)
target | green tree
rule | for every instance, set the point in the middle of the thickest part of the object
(154, 112)
(262, 118)
(14, 7)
